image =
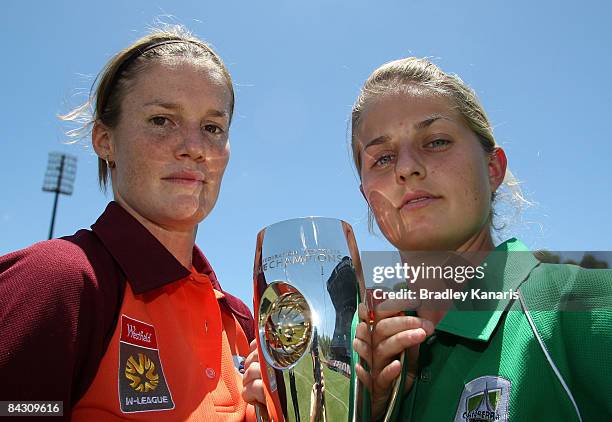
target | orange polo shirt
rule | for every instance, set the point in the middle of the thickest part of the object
(175, 355)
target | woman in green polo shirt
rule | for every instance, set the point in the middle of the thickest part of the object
(430, 168)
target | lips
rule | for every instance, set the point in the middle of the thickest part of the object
(185, 176)
(417, 199)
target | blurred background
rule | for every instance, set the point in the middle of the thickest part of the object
(540, 69)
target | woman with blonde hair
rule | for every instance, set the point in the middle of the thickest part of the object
(430, 170)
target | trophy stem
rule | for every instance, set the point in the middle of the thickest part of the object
(294, 395)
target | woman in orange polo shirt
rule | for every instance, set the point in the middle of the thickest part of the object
(127, 320)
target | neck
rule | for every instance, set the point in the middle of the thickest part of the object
(179, 242)
(480, 242)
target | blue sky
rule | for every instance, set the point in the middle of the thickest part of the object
(540, 69)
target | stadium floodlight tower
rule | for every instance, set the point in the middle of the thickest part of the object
(59, 178)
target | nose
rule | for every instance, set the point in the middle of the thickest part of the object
(193, 146)
(409, 165)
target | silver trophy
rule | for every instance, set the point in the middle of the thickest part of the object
(307, 284)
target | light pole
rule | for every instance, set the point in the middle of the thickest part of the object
(59, 178)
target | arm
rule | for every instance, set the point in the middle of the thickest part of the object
(52, 332)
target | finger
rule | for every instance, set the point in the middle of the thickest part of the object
(378, 315)
(385, 378)
(388, 348)
(252, 373)
(363, 376)
(253, 345)
(362, 312)
(393, 325)
(363, 350)
(251, 358)
(362, 332)
(254, 392)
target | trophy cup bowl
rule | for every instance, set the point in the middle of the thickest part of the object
(307, 284)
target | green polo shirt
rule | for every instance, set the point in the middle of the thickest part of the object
(525, 360)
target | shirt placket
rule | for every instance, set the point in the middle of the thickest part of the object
(423, 378)
(207, 329)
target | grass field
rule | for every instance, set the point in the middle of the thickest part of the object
(336, 392)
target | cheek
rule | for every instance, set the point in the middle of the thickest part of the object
(216, 166)
(472, 185)
(134, 161)
(217, 156)
(379, 193)
(137, 164)
(377, 185)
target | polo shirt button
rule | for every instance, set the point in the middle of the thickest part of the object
(210, 373)
(425, 374)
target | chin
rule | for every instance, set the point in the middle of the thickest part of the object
(424, 240)
(186, 205)
(182, 214)
(189, 217)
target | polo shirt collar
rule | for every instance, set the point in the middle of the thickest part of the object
(506, 268)
(146, 263)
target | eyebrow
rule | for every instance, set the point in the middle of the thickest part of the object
(163, 104)
(429, 121)
(173, 106)
(377, 141)
(218, 113)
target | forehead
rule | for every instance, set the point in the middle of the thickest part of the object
(402, 110)
(180, 81)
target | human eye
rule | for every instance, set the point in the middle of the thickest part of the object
(438, 144)
(214, 129)
(383, 160)
(159, 121)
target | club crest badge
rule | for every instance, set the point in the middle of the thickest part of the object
(142, 385)
(484, 399)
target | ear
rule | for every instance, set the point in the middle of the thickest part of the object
(497, 168)
(102, 141)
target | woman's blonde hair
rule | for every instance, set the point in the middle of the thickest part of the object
(112, 83)
(421, 76)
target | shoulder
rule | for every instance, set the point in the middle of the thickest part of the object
(568, 287)
(54, 280)
(51, 268)
(47, 252)
(52, 299)
(40, 299)
(571, 308)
